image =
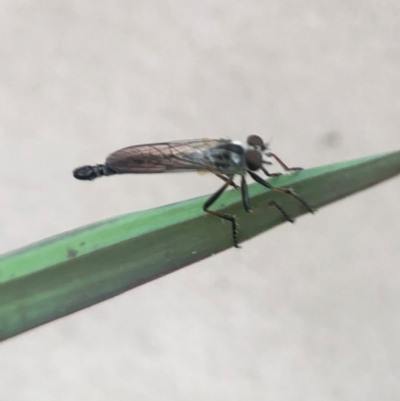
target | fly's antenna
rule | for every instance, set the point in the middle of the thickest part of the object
(89, 173)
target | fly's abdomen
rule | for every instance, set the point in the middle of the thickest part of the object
(89, 173)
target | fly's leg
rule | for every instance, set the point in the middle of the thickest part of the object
(224, 216)
(283, 165)
(267, 173)
(245, 195)
(281, 190)
(227, 180)
(280, 208)
(246, 202)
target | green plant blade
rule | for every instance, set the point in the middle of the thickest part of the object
(71, 271)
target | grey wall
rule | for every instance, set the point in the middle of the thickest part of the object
(304, 312)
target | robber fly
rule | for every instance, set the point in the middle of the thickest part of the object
(222, 157)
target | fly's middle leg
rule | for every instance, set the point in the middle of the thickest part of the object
(246, 202)
(228, 180)
(281, 190)
(245, 195)
(224, 216)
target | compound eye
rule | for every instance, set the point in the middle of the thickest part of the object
(256, 141)
(253, 159)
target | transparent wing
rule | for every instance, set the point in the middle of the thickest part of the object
(186, 155)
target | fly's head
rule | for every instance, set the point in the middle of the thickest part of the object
(256, 153)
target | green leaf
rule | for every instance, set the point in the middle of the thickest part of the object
(71, 271)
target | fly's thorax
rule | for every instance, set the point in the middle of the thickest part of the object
(229, 158)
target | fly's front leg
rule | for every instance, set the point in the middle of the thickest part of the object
(283, 165)
(224, 216)
(267, 173)
(281, 190)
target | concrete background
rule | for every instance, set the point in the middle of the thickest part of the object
(304, 312)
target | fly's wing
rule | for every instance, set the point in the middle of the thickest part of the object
(165, 157)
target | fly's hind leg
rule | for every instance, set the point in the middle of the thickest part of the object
(283, 212)
(224, 216)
